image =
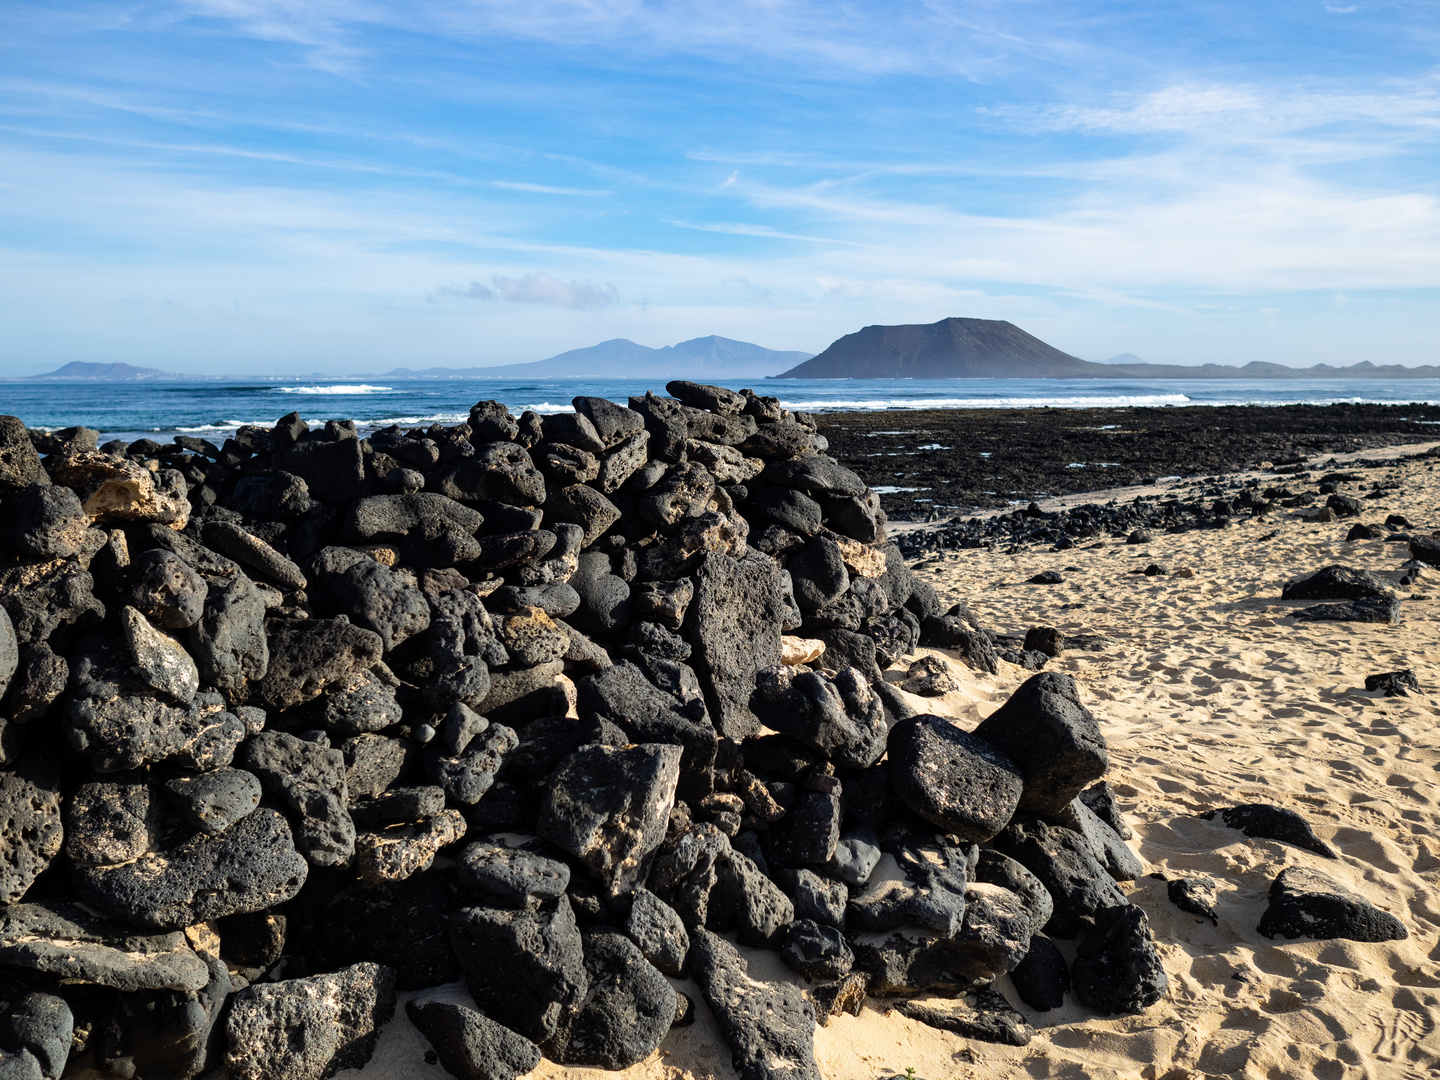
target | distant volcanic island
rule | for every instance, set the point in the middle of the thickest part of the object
(996, 349)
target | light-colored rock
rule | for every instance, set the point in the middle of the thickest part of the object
(395, 854)
(862, 559)
(114, 489)
(799, 650)
(385, 554)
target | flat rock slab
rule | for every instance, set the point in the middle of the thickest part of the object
(986, 1016)
(734, 626)
(72, 942)
(770, 1026)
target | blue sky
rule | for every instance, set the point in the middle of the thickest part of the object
(269, 186)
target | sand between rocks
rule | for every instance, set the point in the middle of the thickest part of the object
(1210, 696)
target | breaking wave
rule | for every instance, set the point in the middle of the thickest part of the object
(339, 389)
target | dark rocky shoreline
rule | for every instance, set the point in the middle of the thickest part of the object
(1032, 451)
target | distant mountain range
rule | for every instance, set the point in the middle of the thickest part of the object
(949, 349)
(701, 358)
(78, 371)
(995, 349)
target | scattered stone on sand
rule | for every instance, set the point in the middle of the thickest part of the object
(1265, 822)
(1400, 683)
(983, 1014)
(1196, 895)
(1338, 583)
(1306, 903)
(470, 1045)
(929, 677)
(1363, 611)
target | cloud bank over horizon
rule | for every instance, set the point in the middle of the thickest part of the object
(349, 185)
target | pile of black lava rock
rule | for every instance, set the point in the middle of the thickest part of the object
(549, 704)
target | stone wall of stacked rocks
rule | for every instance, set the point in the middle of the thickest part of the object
(560, 706)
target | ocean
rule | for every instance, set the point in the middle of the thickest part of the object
(213, 409)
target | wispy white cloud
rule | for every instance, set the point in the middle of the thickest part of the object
(316, 26)
(473, 291)
(545, 189)
(1242, 113)
(543, 289)
(742, 229)
(537, 288)
(905, 36)
(899, 162)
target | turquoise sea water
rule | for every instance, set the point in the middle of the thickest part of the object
(162, 409)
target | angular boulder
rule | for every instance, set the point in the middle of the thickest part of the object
(307, 1029)
(956, 781)
(770, 1026)
(734, 625)
(470, 1045)
(525, 969)
(1053, 739)
(609, 807)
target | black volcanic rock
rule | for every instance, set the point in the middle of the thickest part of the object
(470, 1045)
(1338, 583)
(953, 779)
(1117, 967)
(1265, 822)
(1307, 903)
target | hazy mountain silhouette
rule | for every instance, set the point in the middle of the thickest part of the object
(710, 357)
(79, 371)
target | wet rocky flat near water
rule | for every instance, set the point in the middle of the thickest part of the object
(958, 459)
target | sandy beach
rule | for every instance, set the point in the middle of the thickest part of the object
(1209, 696)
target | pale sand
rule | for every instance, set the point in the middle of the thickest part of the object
(1209, 697)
